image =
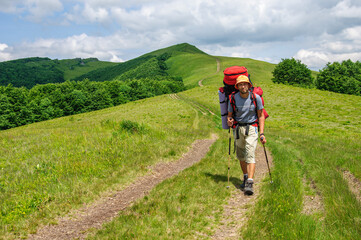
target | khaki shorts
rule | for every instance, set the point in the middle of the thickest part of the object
(246, 145)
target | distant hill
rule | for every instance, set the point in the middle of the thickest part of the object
(179, 48)
(109, 73)
(140, 67)
(28, 72)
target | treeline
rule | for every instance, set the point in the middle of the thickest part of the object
(344, 77)
(28, 72)
(20, 106)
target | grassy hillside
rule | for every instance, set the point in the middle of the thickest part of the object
(48, 168)
(181, 48)
(133, 68)
(28, 72)
(73, 69)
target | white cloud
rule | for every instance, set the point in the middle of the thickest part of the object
(345, 9)
(318, 58)
(10, 6)
(3, 46)
(108, 48)
(314, 59)
(39, 9)
(34, 10)
(353, 33)
(4, 56)
(333, 48)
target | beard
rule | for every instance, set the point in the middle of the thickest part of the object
(243, 91)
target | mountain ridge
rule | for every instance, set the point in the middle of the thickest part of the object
(28, 72)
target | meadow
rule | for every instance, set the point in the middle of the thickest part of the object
(49, 168)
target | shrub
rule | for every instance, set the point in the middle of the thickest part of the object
(292, 72)
(342, 77)
(132, 127)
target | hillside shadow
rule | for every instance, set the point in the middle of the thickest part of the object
(224, 178)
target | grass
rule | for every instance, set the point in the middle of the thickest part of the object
(192, 67)
(59, 164)
(77, 71)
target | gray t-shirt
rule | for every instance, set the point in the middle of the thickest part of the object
(245, 109)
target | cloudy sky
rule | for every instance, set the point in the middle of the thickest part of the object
(313, 31)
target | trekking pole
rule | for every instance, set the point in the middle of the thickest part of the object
(229, 153)
(269, 171)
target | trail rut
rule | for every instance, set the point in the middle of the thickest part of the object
(235, 212)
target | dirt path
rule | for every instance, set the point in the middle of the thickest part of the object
(353, 183)
(234, 216)
(75, 225)
(218, 69)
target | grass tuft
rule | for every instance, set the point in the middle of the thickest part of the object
(133, 127)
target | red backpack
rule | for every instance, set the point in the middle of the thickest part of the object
(230, 78)
(232, 73)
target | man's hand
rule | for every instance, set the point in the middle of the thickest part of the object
(263, 139)
(230, 121)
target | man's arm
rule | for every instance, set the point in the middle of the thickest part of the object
(261, 120)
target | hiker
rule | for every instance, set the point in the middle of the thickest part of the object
(246, 121)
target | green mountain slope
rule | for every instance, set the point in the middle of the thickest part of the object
(175, 49)
(50, 167)
(28, 72)
(134, 68)
(73, 68)
(109, 73)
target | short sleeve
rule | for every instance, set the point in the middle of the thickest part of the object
(259, 102)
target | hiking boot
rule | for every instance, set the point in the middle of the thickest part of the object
(248, 189)
(245, 177)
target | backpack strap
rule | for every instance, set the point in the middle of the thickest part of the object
(254, 100)
(232, 101)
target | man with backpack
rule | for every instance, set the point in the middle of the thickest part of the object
(246, 116)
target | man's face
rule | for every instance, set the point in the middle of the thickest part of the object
(243, 87)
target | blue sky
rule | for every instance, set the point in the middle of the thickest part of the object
(313, 31)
